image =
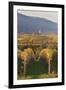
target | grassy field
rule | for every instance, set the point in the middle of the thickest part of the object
(37, 70)
(40, 76)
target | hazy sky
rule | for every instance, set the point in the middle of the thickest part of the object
(50, 15)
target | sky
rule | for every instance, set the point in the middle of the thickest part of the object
(50, 15)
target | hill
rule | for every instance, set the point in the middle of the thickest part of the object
(30, 24)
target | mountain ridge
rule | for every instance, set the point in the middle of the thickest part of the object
(30, 24)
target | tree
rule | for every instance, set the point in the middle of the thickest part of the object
(48, 55)
(27, 56)
(24, 56)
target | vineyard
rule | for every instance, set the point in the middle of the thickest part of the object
(37, 56)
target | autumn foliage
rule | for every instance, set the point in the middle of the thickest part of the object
(37, 49)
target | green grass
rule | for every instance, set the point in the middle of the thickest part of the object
(37, 71)
(40, 76)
